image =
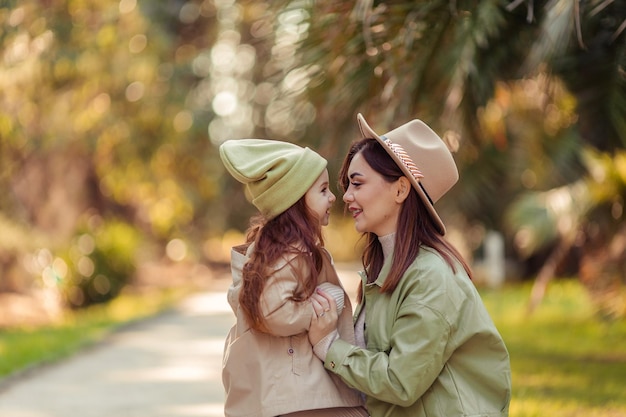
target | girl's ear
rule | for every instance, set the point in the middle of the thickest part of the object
(403, 187)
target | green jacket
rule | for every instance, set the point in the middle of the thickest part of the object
(432, 349)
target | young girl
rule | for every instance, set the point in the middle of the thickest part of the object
(269, 368)
(426, 346)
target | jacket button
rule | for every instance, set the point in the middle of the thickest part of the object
(332, 364)
(290, 351)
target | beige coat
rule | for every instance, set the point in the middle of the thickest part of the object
(267, 375)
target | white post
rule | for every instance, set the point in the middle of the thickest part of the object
(494, 259)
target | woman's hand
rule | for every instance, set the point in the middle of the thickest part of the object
(325, 319)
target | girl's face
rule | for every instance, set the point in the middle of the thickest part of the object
(374, 203)
(319, 199)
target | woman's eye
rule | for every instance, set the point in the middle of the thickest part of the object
(355, 184)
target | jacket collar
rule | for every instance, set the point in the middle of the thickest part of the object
(382, 276)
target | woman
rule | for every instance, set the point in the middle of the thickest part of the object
(269, 368)
(426, 345)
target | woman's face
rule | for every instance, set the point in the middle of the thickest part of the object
(319, 199)
(374, 203)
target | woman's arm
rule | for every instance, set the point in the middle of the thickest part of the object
(402, 374)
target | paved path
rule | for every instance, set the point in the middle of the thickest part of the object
(166, 366)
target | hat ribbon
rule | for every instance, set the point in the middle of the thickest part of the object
(408, 163)
(404, 157)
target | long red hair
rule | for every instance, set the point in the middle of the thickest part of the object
(415, 224)
(294, 231)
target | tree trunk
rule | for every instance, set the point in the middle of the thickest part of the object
(546, 273)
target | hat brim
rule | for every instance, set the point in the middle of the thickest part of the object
(368, 132)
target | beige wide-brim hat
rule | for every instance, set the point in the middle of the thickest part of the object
(423, 157)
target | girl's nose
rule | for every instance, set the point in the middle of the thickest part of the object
(333, 198)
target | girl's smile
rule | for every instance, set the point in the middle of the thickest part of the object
(319, 199)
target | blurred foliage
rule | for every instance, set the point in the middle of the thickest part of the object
(100, 262)
(500, 80)
(97, 114)
(522, 90)
(115, 108)
(105, 86)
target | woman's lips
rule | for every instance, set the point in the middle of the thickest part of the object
(355, 212)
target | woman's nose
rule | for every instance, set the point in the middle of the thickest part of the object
(347, 197)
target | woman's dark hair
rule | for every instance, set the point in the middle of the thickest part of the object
(417, 227)
(294, 231)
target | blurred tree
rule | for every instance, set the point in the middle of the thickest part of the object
(97, 118)
(115, 108)
(521, 88)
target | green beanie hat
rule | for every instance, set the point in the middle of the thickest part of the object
(276, 174)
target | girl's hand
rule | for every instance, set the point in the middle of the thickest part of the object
(325, 319)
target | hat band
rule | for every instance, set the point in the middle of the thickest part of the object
(404, 157)
(408, 163)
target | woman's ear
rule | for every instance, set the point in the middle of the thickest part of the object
(403, 187)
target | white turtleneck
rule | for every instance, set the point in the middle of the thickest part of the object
(387, 242)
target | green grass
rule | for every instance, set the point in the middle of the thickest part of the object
(24, 347)
(565, 361)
